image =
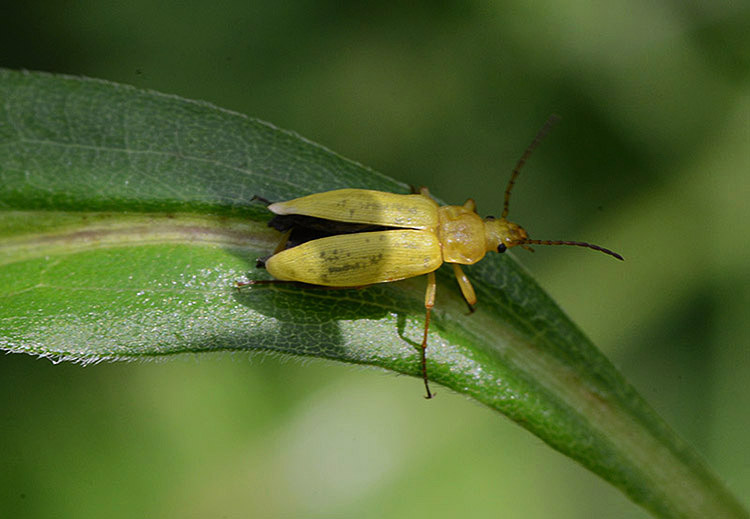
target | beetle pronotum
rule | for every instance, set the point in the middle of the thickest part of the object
(357, 237)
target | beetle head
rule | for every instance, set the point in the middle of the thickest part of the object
(500, 234)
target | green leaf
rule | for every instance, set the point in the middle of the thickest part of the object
(126, 218)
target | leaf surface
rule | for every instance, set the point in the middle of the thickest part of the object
(126, 218)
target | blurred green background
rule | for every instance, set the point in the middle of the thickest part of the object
(651, 158)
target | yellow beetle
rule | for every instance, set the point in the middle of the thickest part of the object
(362, 237)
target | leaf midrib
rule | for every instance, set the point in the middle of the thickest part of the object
(98, 230)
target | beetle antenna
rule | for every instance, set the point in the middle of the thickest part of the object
(576, 243)
(526, 154)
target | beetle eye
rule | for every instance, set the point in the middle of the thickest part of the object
(501, 248)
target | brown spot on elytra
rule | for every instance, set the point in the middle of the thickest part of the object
(346, 267)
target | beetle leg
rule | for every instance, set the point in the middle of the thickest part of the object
(282, 243)
(429, 302)
(261, 199)
(471, 205)
(260, 263)
(249, 282)
(425, 192)
(466, 287)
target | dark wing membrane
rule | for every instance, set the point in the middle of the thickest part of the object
(308, 228)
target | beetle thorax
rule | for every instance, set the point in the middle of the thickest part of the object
(501, 231)
(462, 235)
